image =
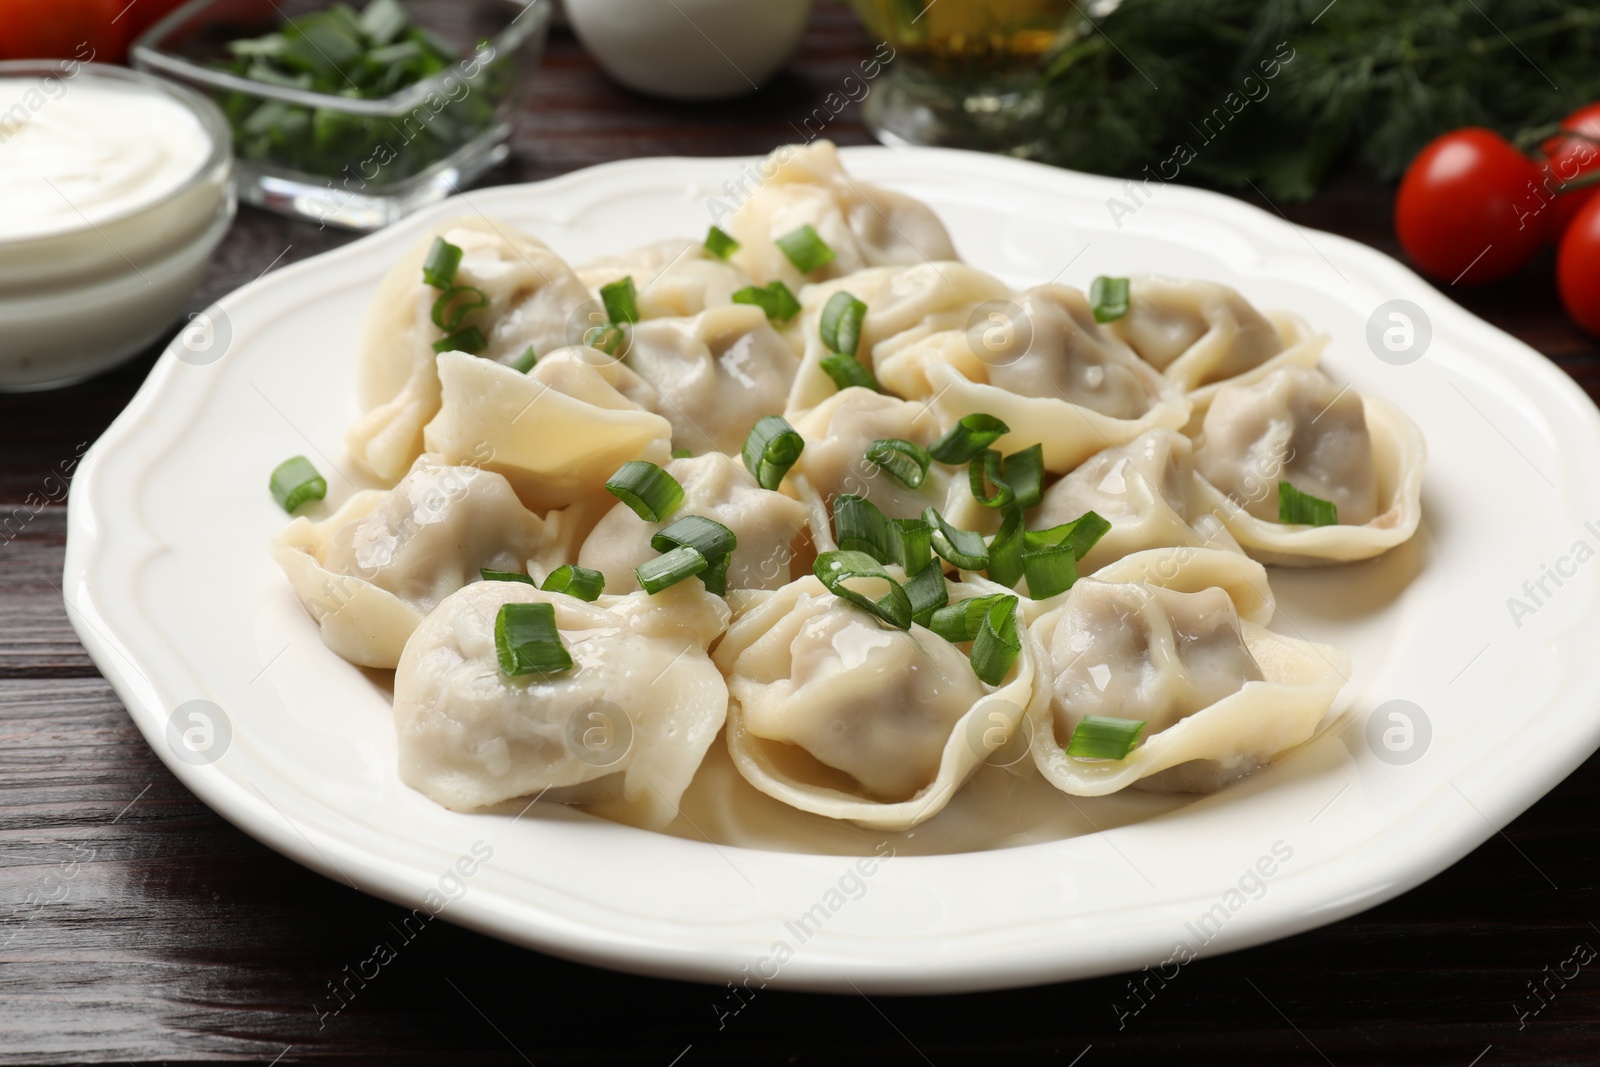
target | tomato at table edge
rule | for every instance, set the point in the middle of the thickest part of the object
(1467, 210)
(1578, 268)
(98, 31)
(1559, 151)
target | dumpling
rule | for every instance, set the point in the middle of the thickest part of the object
(1146, 490)
(1220, 696)
(533, 296)
(640, 706)
(1057, 378)
(904, 305)
(838, 434)
(673, 278)
(370, 573)
(1199, 333)
(1296, 425)
(835, 713)
(713, 375)
(863, 225)
(770, 528)
(557, 433)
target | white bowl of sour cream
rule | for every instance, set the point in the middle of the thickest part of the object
(114, 189)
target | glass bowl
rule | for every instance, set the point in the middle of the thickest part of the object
(359, 164)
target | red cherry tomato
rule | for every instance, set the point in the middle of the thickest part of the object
(1570, 157)
(1468, 210)
(1578, 267)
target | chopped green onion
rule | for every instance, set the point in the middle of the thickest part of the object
(504, 576)
(996, 646)
(294, 481)
(905, 461)
(1024, 473)
(383, 20)
(987, 464)
(928, 593)
(859, 526)
(911, 545)
(847, 371)
(1005, 550)
(607, 338)
(770, 449)
(961, 621)
(526, 640)
(805, 249)
(439, 269)
(834, 569)
(469, 340)
(774, 298)
(621, 300)
(580, 582)
(962, 548)
(715, 576)
(455, 303)
(720, 244)
(1108, 298)
(706, 536)
(682, 453)
(669, 569)
(967, 438)
(651, 492)
(840, 327)
(1050, 571)
(1081, 534)
(1303, 509)
(524, 363)
(1100, 737)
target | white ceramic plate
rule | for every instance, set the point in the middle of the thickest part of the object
(173, 593)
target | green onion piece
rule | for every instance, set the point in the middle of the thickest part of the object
(770, 449)
(1099, 737)
(962, 620)
(905, 461)
(774, 298)
(621, 300)
(720, 244)
(580, 582)
(1024, 473)
(607, 338)
(682, 453)
(847, 371)
(669, 569)
(469, 340)
(706, 536)
(1108, 298)
(651, 492)
(995, 648)
(967, 438)
(1050, 571)
(1081, 534)
(294, 481)
(840, 327)
(962, 548)
(715, 576)
(524, 363)
(834, 569)
(987, 464)
(504, 576)
(859, 526)
(439, 269)
(928, 593)
(911, 545)
(383, 20)
(455, 303)
(527, 642)
(805, 249)
(1303, 509)
(1005, 550)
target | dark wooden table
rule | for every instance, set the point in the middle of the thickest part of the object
(139, 926)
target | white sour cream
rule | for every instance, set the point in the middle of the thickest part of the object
(75, 152)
